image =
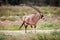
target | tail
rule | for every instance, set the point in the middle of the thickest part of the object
(22, 24)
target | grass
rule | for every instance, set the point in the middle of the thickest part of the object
(32, 36)
(6, 37)
(51, 12)
(41, 26)
(14, 28)
(24, 10)
(48, 26)
(10, 28)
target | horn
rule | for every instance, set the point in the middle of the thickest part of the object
(30, 5)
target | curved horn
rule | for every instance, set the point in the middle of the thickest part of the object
(34, 8)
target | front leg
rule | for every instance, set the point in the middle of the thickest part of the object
(31, 29)
(26, 28)
(35, 28)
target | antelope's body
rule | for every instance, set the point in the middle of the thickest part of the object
(31, 19)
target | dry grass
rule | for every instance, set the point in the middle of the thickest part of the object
(32, 36)
(51, 14)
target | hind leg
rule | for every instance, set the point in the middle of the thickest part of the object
(22, 24)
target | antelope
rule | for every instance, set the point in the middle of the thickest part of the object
(32, 19)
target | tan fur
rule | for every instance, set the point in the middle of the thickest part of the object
(31, 19)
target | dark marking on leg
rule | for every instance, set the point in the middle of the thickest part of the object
(26, 28)
(35, 28)
(22, 24)
(31, 27)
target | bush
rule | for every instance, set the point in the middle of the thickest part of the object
(31, 36)
(11, 19)
(3, 18)
(2, 36)
(48, 26)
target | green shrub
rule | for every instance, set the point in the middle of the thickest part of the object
(48, 26)
(2, 36)
(3, 18)
(11, 19)
(31, 36)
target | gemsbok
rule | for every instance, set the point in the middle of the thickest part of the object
(32, 19)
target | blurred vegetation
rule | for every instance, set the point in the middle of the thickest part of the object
(47, 26)
(31, 36)
(52, 16)
(41, 26)
(9, 28)
(24, 10)
(6, 37)
(33, 2)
